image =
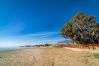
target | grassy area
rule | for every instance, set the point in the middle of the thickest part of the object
(96, 55)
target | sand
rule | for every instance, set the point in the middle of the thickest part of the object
(47, 57)
(84, 49)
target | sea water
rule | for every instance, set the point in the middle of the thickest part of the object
(12, 48)
(8, 48)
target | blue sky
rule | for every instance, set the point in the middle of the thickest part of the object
(39, 21)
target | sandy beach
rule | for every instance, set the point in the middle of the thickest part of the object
(47, 57)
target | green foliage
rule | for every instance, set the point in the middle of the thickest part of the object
(82, 29)
(96, 55)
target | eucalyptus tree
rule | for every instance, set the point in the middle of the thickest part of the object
(81, 29)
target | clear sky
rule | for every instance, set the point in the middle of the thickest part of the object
(39, 21)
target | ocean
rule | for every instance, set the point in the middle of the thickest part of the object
(8, 48)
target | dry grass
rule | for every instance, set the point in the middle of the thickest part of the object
(47, 57)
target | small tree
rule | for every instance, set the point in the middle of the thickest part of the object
(82, 29)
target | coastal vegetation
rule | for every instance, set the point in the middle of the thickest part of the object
(96, 55)
(82, 29)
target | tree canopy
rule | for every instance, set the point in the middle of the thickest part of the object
(82, 29)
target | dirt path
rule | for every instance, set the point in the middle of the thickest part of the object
(47, 57)
(81, 49)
